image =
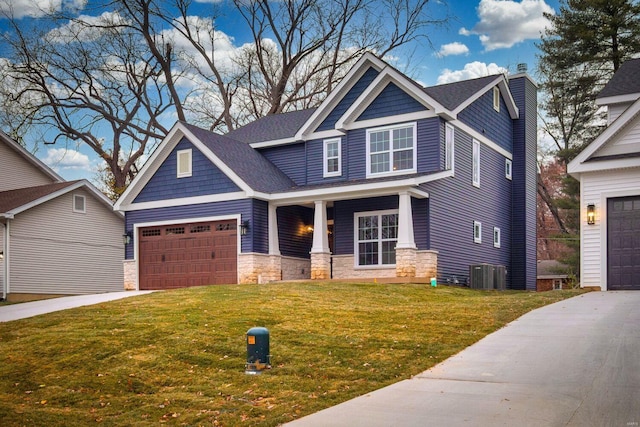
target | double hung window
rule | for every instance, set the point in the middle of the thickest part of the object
(332, 157)
(391, 150)
(376, 238)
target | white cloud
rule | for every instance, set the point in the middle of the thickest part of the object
(85, 28)
(64, 159)
(35, 8)
(504, 23)
(454, 48)
(471, 71)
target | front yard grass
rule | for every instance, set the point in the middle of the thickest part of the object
(177, 357)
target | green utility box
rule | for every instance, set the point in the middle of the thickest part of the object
(258, 357)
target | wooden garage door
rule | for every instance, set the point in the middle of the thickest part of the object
(623, 243)
(181, 255)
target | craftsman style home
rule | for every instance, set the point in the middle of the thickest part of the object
(385, 180)
(57, 237)
(609, 174)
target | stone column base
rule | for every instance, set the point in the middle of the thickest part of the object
(427, 263)
(130, 274)
(406, 262)
(259, 268)
(320, 265)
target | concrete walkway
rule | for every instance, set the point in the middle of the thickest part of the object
(35, 308)
(573, 363)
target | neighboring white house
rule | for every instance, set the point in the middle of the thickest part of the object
(609, 174)
(56, 237)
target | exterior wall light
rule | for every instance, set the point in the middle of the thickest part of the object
(1, 255)
(244, 228)
(591, 214)
(126, 238)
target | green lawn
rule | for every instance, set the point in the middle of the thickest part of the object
(178, 357)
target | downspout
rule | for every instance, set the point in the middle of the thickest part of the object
(5, 260)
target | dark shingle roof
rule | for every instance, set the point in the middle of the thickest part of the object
(12, 199)
(273, 127)
(254, 169)
(625, 81)
(451, 95)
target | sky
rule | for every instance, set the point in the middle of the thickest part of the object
(484, 37)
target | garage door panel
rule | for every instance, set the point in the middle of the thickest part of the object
(176, 256)
(623, 243)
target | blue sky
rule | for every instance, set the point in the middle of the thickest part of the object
(484, 37)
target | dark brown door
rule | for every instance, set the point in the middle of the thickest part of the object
(181, 255)
(623, 243)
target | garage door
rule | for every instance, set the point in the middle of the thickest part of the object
(623, 243)
(181, 255)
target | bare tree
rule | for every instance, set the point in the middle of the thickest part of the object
(111, 81)
(80, 82)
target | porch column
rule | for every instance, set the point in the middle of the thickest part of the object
(406, 247)
(320, 254)
(274, 242)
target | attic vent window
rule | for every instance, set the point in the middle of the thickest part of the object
(79, 203)
(184, 163)
(496, 98)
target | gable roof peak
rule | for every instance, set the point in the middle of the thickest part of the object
(624, 85)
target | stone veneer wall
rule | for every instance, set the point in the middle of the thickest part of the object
(258, 268)
(130, 274)
(426, 266)
(296, 268)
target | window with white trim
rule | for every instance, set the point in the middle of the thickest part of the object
(449, 147)
(376, 238)
(391, 150)
(496, 237)
(79, 203)
(496, 98)
(477, 232)
(184, 163)
(332, 157)
(475, 171)
(508, 168)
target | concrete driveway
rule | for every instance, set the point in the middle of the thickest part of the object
(35, 308)
(573, 363)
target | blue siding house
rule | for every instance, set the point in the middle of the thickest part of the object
(386, 180)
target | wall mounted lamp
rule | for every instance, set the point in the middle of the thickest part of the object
(126, 237)
(244, 228)
(1, 255)
(591, 214)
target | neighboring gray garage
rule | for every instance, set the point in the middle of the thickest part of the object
(623, 243)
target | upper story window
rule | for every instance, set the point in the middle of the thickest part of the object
(391, 150)
(332, 157)
(496, 237)
(477, 232)
(376, 238)
(79, 203)
(449, 147)
(508, 168)
(496, 98)
(475, 169)
(184, 163)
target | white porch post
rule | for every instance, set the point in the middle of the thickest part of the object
(406, 239)
(320, 254)
(406, 249)
(274, 243)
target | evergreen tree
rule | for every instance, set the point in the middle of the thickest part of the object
(587, 42)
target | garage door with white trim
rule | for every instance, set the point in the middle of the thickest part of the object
(182, 255)
(623, 243)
